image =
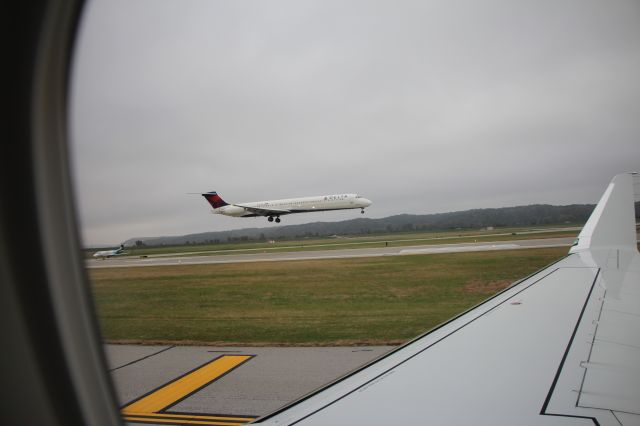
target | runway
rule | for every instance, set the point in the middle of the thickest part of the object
(222, 385)
(165, 260)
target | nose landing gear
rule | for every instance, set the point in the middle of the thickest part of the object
(362, 211)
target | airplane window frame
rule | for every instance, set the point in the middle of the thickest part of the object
(54, 365)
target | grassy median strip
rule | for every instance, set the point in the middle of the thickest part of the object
(381, 300)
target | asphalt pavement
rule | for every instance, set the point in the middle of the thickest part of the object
(164, 383)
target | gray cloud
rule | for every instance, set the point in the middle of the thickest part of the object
(421, 106)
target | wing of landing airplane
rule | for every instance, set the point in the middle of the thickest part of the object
(260, 211)
(561, 346)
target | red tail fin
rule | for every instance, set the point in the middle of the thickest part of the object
(214, 199)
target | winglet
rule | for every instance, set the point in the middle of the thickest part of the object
(612, 223)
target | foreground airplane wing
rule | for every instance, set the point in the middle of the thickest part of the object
(562, 347)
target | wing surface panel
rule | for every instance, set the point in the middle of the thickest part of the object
(600, 374)
(612, 375)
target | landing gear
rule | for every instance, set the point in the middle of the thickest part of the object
(362, 211)
(277, 220)
(270, 219)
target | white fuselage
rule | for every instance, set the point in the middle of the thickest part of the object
(297, 205)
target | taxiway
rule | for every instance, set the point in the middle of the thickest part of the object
(222, 385)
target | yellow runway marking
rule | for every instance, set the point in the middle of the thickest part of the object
(192, 421)
(197, 416)
(150, 408)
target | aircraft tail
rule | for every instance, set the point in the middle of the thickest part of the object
(214, 199)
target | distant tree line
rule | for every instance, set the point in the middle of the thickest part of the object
(521, 216)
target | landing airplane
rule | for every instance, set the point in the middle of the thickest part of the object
(109, 253)
(276, 208)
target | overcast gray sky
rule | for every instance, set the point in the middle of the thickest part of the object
(421, 106)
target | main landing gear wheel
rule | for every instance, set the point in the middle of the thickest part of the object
(277, 220)
(270, 219)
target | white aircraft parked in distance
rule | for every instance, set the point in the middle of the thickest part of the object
(109, 253)
(276, 208)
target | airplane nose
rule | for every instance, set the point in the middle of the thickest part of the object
(366, 202)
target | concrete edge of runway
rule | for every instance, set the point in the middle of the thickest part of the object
(332, 254)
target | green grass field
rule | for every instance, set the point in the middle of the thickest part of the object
(382, 300)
